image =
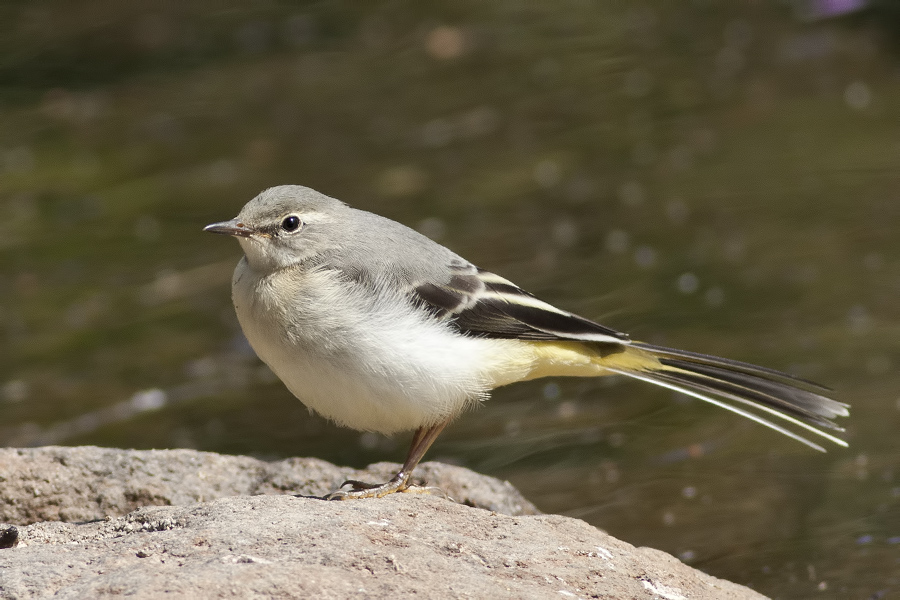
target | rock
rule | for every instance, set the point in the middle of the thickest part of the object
(399, 546)
(280, 545)
(58, 483)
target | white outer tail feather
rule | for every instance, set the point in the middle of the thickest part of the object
(744, 413)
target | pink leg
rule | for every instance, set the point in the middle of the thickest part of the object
(421, 442)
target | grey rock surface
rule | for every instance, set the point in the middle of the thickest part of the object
(286, 546)
(59, 483)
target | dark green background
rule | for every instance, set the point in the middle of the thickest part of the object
(717, 176)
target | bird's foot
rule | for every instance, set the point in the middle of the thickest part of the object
(361, 489)
(400, 483)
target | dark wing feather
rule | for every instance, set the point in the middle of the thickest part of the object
(483, 304)
(480, 303)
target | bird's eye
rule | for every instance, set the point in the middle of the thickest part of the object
(291, 223)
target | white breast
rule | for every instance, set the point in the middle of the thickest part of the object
(360, 357)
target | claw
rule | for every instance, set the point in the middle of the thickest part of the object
(370, 490)
(361, 489)
(359, 485)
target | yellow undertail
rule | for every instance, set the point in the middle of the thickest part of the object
(716, 380)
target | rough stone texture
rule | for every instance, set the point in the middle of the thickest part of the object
(281, 546)
(58, 483)
(400, 546)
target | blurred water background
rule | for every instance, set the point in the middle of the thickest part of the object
(722, 177)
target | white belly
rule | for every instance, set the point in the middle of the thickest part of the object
(346, 357)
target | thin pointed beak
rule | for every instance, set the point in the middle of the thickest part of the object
(233, 227)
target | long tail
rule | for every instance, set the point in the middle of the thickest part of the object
(719, 380)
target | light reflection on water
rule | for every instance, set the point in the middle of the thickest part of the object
(724, 181)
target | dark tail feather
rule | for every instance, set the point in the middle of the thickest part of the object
(714, 379)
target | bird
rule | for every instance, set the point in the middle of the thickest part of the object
(379, 328)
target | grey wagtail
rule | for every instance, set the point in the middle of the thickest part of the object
(378, 328)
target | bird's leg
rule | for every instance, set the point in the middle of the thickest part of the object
(422, 440)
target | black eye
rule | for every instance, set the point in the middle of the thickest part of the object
(291, 223)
